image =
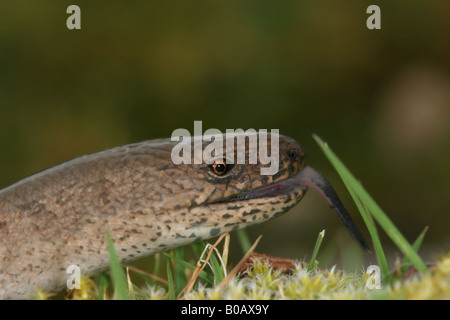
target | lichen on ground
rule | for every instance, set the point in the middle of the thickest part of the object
(263, 282)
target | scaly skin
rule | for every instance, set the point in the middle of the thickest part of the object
(59, 217)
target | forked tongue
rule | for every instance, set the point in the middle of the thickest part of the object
(312, 179)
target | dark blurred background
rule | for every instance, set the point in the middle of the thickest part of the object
(138, 70)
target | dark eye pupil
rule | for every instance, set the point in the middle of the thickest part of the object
(220, 167)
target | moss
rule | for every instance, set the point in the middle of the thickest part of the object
(88, 290)
(262, 282)
(433, 285)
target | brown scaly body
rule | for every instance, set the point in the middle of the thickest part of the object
(59, 217)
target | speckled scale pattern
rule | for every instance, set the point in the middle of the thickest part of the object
(60, 216)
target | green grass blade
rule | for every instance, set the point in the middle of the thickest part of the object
(214, 261)
(180, 275)
(103, 285)
(378, 248)
(117, 274)
(204, 275)
(170, 286)
(416, 245)
(216, 268)
(367, 217)
(243, 240)
(382, 219)
(198, 248)
(312, 263)
(156, 268)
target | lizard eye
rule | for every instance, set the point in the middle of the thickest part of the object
(220, 167)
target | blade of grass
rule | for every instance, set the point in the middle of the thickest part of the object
(416, 245)
(117, 274)
(226, 247)
(379, 252)
(198, 248)
(147, 277)
(382, 219)
(371, 227)
(236, 268)
(180, 276)
(156, 267)
(103, 286)
(312, 263)
(204, 275)
(170, 286)
(201, 263)
(243, 240)
(216, 269)
(329, 250)
(216, 265)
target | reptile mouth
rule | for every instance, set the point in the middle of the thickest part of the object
(280, 188)
(307, 177)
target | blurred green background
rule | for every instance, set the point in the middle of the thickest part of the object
(138, 70)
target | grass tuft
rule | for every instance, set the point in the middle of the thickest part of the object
(118, 276)
(368, 208)
(313, 262)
